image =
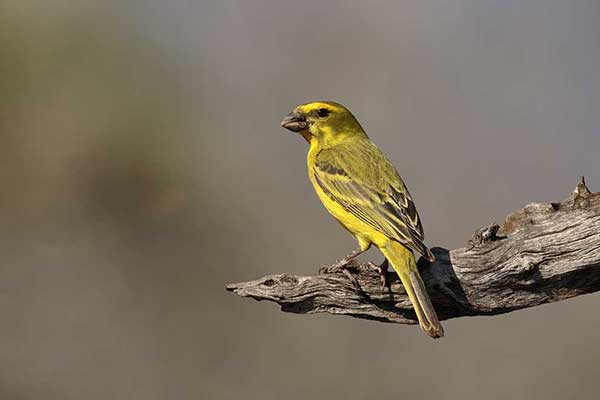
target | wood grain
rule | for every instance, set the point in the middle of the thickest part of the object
(541, 253)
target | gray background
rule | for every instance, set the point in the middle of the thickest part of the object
(143, 166)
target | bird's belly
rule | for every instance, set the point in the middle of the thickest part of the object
(361, 230)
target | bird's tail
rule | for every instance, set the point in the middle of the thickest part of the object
(403, 261)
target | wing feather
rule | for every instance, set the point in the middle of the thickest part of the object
(376, 196)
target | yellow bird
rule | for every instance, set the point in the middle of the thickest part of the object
(361, 188)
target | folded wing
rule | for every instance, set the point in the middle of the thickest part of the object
(367, 185)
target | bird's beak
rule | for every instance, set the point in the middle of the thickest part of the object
(294, 122)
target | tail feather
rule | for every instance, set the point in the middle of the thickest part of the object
(403, 261)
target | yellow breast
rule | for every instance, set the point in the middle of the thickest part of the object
(364, 233)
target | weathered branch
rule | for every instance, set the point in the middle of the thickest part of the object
(541, 253)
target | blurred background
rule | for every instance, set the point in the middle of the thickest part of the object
(142, 167)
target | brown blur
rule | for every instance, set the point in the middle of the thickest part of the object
(143, 167)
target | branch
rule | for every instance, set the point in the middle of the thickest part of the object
(541, 253)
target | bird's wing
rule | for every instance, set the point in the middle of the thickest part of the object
(366, 185)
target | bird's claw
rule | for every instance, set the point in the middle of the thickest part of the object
(352, 279)
(341, 264)
(344, 266)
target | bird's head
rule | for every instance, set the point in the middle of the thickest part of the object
(323, 121)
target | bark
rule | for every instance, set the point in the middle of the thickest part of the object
(541, 253)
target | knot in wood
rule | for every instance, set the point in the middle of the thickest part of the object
(483, 235)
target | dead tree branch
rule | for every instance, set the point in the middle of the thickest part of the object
(541, 253)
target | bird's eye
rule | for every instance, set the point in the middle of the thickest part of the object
(322, 112)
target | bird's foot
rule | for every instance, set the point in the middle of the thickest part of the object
(344, 263)
(345, 266)
(339, 266)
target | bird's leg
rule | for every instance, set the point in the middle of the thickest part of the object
(344, 261)
(383, 269)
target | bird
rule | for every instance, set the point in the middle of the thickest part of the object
(363, 191)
